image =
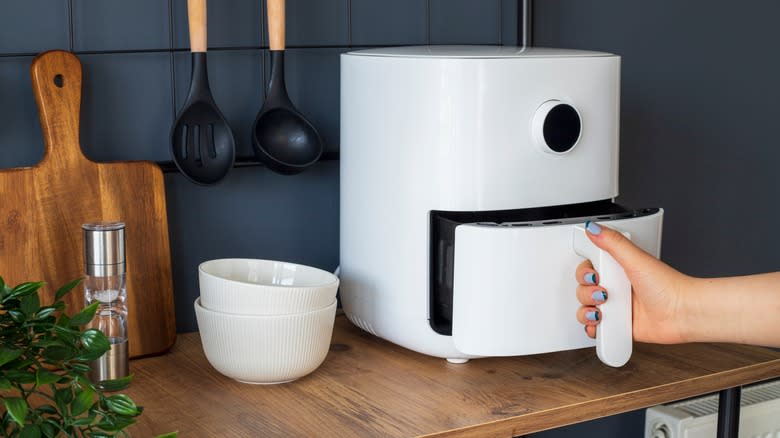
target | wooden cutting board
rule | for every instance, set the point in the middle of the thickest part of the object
(43, 207)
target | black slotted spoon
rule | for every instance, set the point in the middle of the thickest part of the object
(202, 142)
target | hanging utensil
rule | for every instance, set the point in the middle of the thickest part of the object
(202, 143)
(282, 138)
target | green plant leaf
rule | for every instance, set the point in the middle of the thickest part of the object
(45, 377)
(58, 353)
(80, 367)
(63, 397)
(82, 401)
(4, 290)
(95, 343)
(115, 423)
(85, 315)
(47, 409)
(48, 430)
(168, 435)
(7, 355)
(46, 343)
(68, 334)
(20, 364)
(17, 408)
(19, 376)
(31, 431)
(17, 316)
(122, 404)
(5, 384)
(116, 384)
(64, 290)
(24, 289)
(30, 304)
(86, 421)
(45, 313)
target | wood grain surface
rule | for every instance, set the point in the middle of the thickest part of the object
(43, 208)
(276, 24)
(368, 387)
(196, 18)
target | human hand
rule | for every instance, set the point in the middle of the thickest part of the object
(657, 289)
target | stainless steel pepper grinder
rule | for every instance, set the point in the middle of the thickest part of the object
(105, 283)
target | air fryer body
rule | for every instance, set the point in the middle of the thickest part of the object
(470, 164)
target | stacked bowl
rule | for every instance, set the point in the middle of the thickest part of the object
(263, 321)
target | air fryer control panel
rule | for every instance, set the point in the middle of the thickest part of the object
(442, 241)
(556, 127)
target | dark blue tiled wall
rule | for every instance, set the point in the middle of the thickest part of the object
(21, 142)
(698, 130)
(448, 23)
(399, 22)
(126, 112)
(136, 76)
(239, 25)
(120, 24)
(33, 25)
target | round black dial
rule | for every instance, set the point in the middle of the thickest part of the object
(562, 128)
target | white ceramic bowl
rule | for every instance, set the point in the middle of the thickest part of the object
(264, 287)
(265, 349)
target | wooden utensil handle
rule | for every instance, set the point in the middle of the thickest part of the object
(56, 81)
(196, 14)
(276, 24)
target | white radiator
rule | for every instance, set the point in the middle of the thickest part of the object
(759, 415)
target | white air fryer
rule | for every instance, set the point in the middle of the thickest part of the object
(467, 173)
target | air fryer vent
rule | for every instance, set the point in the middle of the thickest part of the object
(750, 396)
(361, 323)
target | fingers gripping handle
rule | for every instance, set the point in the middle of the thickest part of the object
(614, 335)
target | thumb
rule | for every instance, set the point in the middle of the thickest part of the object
(625, 252)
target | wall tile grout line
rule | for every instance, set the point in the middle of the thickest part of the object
(263, 24)
(427, 22)
(349, 23)
(71, 38)
(171, 59)
(500, 22)
(211, 49)
(520, 18)
(263, 86)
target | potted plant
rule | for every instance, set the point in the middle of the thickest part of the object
(44, 361)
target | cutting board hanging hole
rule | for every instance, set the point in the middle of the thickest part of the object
(59, 81)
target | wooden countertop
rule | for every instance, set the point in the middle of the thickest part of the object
(369, 387)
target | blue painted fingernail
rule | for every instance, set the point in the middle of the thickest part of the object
(593, 228)
(599, 296)
(590, 278)
(592, 315)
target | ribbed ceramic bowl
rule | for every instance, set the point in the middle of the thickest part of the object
(264, 287)
(265, 349)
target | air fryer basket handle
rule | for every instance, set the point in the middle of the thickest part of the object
(614, 335)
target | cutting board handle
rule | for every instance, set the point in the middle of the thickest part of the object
(56, 81)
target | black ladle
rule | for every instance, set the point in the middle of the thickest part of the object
(202, 142)
(282, 138)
